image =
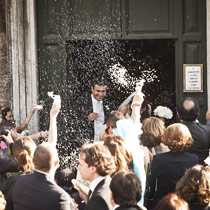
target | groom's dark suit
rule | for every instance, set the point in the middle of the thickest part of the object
(100, 198)
(38, 191)
(81, 108)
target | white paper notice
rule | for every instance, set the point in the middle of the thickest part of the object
(193, 78)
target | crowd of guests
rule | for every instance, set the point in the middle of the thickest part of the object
(131, 164)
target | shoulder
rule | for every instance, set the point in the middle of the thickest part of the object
(192, 156)
(97, 202)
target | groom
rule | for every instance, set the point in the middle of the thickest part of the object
(91, 111)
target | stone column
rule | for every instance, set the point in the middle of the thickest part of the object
(208, 48)
(22, 54)
(4, 73)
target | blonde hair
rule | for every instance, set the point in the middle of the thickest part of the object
(122, 157)
(153, 131)
(178, 137)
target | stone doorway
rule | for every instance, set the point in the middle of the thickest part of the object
(122, 63)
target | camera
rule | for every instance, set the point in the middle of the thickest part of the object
(4, 132)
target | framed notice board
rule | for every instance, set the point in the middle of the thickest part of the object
(193, 77)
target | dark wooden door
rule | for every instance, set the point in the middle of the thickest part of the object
(183, 21)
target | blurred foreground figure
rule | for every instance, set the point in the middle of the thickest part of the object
(172, 202)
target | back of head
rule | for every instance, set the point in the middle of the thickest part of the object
(194, 186)
(188, 109)
(45, 156)
(4, 111)
(116, 146)
(126, 188)
(119, 115)
(23, 151)
(64, 176)
(172, 202)
(99, 156)
(111, 121)
(178, 137)
(153, 131)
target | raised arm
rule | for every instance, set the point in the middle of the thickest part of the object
(136, 105)
(20, 128)
(53, 122)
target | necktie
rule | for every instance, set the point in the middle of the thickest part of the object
(89, 194)
(98, 107)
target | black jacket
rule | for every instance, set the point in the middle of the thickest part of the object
(81, 107)
(38, 191)
(100, 198)
(166, 169)
(201, 136)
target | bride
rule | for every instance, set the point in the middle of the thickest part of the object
(125, 108)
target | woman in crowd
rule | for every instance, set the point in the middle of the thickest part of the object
(194, 187)
(122, 157)
(125, 108)
(153, 130)
(171, 202)
(23, 150)
(167, 168)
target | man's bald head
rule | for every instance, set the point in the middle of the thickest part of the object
(188, 105)
(45, 157)
(188, 109)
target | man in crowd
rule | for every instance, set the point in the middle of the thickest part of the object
(91, 110)
(38, 190)
(188, 111)
(95, 165)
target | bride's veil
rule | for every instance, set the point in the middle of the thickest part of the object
(127, 100)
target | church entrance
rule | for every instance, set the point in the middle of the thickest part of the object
(122, 63)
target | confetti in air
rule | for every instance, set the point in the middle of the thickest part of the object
(120, 76)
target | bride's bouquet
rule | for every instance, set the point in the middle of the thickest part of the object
(164, 112)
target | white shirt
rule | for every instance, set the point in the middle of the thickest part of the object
(98, 123)
(94, 183)
(115, 206)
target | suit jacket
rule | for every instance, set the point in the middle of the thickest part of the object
(80, 109)
(201, 136)
(100, 198)
(166, 169)
(38, 191)
(128, 208)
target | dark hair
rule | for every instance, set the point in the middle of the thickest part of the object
(126, 188)
(4, 111)
(64, 176)
(116, 146)
(171, 202)
(194, 186)
(99, 156)
(191, 114)
(23, 150)
(98, 82)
